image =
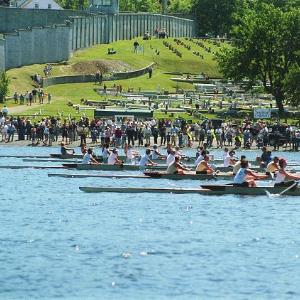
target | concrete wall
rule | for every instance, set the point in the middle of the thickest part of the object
(33, 36)
(88, 31)
(2, 53)
(17, 18)
(37, 45)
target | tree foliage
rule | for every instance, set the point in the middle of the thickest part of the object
(140, 6)
(214, 16)
(180, 6)
(265, 41)
(292, 86)
(74, 4)
(4, 83)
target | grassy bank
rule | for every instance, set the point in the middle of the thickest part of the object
(151, 51)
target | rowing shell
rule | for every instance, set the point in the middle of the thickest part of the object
(193, 175)
(205, 190)
(31, 167)
(148, 175)
(128, 167)
(260, 190)
(142, 190)
(106, 167)
(97, 176)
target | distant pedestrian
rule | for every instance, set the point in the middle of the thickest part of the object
(150, 71)
(49, 98)
(30, 98)
(135, 46)
(16, 96)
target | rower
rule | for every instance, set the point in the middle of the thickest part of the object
(89, 159)
(131, 154)
(66, 151)
(105, 153)
(113, 158)
(272, 166)
(145, 160)
(265, 157)
(178, 152)
(176, 167)
(83, 149)
(230, 160)
(226, 153)
(169, 148)
(245, 177)
(155, 153)
(198, 152)
(201, 156)
(203, 167)
(237, 165)
(284, 178)
(170, 157)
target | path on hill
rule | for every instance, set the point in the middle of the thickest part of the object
(21, 108)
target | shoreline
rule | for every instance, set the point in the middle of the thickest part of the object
(76, 144)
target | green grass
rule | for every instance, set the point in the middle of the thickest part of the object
(166, 62)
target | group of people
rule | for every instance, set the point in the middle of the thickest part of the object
(275, 168)
(176, 132)
(34, 96)
(243, 175)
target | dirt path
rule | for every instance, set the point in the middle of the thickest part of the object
(21, 108)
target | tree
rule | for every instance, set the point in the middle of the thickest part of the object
(292, 86)
(4, 83)
(214, 16)
(180, 6)
(73, 4)
(140, 6)
(265, 41)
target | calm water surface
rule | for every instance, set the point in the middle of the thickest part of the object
(58, 242)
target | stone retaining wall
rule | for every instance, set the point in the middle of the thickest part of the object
(91, 78)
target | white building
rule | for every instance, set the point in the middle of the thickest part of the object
(35, 4)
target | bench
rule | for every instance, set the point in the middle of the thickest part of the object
(111, 51)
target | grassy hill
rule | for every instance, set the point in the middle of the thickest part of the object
(124, 59)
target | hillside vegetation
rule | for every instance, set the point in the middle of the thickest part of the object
(83, 62)
(154, 51)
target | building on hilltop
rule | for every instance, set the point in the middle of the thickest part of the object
(104, 6)
(35, 4)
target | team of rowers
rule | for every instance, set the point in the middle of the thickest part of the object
(243, 175)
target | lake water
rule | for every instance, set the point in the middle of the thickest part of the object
(58, 242)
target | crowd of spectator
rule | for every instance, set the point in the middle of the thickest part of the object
(162, 132)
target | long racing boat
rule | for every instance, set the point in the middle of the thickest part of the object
(215, 190)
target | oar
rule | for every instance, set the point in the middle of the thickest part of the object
(283, 192)
(289, 188)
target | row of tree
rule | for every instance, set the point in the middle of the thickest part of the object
(154, 6)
